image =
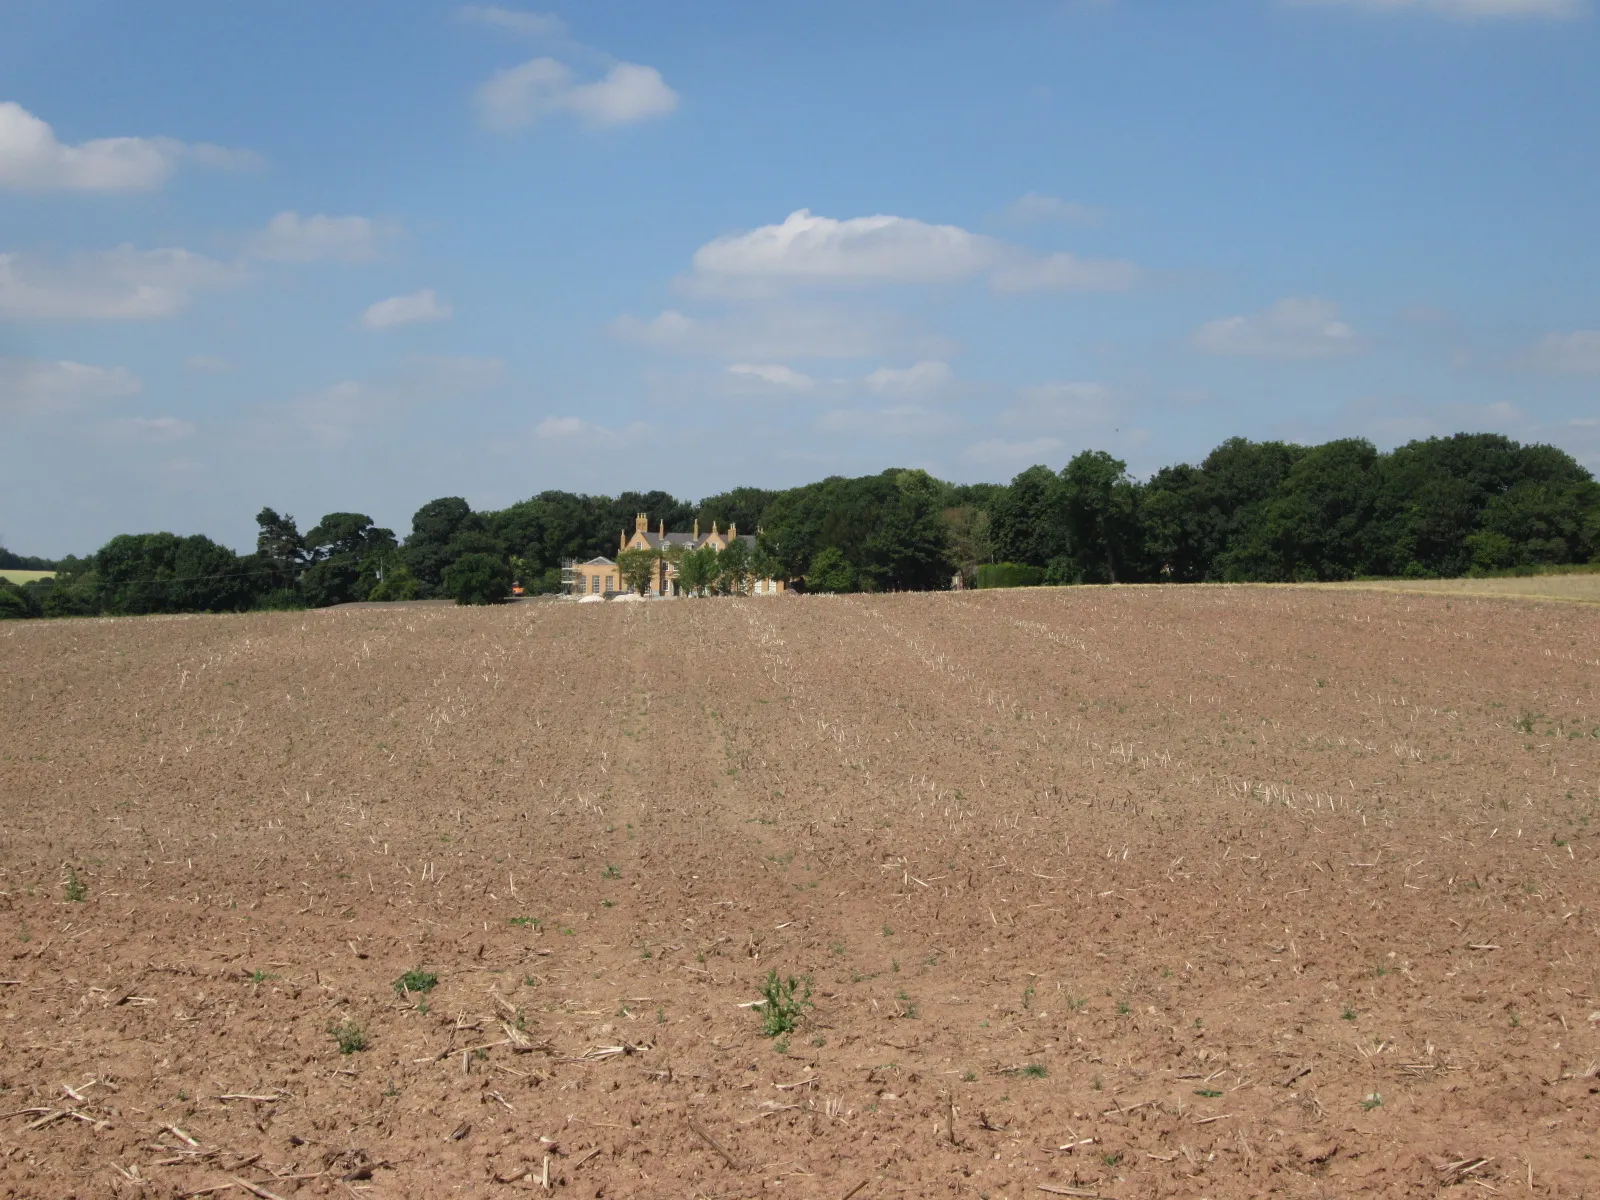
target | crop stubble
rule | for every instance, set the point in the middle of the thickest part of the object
(1136, 892)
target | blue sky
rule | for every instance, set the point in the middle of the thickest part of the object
(354, 256)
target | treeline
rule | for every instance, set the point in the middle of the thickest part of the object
(1250, 511)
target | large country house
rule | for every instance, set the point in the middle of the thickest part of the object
(600, 577)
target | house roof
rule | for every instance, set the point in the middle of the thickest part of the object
(598, 562)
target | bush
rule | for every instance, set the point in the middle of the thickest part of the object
(1009, 575)
(15, 603)
(478, 579)
(831, 572)
(397, 584)
(281, 600)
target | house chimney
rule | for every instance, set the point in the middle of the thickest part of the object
(697, 529)
(641, 522)
(663, 528)
(733, 530)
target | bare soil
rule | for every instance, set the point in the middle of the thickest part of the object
(1581, 587)
(1130, 892)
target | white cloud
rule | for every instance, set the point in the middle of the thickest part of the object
(560, 427)
(148, 429)
(1060, 407)
(774, 374)
(878, 249)
(209, 363)
(32, 159)
(767, 333)
(902, 420)
(1036, 207)
(35, 385)
(1461, 10)
(808, 249)
(930, 375)
(575, 431)
(518, 96)
(997, 452)
(289, 237)
(1065, 273)
(123, 283)
(1578, 350)
(1299, 327)
(405, 310)
(529, 24)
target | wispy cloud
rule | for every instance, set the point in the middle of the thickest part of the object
(409, 309)
(1299, 327)
(773, 375)
(528, 24)
(1011, 455)
(147, 429)
(921, 378)
(1578, 351)
(119, 284)
(1033, 207)
(898, 421)
(1059, 407)
(519, 96)
(289, 237)
(39, 386)
(765, 333)
(32, 158)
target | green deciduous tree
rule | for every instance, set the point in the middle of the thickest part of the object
(733, 568)
(637, 569)
(831, 572)
(697, 570)
(477, 578)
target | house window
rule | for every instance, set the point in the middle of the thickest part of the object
(611, 583)
(594, 584)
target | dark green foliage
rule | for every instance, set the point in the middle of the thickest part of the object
(907, 550)
(697, 570)
(733, 568)
(394, 580)
(16, 602)
(1250, 511)
(1312, 528)
(830, 572)
(1008, 575)
(22, 562)
(478, 578)
(434, 527)
(1027, 523)
(164, 573)
(637, 569)
(346, 553)
(1099, 508)
(743, 507)
(280, 549)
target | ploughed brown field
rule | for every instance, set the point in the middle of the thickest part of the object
(1128, 892)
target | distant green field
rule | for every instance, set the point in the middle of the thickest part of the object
(26, 576)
